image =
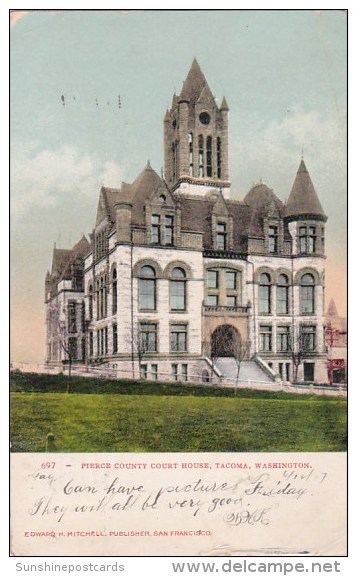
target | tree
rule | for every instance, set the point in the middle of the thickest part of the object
(141, 344)
(300, 346)
(59, 333)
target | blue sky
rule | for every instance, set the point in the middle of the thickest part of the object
(283, 73)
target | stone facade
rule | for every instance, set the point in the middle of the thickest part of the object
(174, 267)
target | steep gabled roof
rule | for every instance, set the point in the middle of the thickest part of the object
(60, 257)
(303, 200)
(142, 189)
(107, 199)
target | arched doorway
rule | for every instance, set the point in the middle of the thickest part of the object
(225, 341)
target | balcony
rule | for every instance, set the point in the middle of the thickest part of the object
(225, 310)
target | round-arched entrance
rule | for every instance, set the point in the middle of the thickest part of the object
(225, 341)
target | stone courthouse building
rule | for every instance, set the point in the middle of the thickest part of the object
(179, 281)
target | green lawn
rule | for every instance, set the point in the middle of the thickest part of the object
(131, 422)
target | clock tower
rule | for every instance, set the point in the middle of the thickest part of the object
(196, 139)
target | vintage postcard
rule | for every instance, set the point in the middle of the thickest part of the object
(179, 336)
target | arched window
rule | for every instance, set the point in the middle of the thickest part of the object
(200, 156)
(282, 295)
(264, 294)
(178, 289)
(115, 292)
(147, 288)
(307, 300)
(209, 156)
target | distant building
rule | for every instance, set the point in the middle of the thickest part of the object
(178, 277)
(336, 343)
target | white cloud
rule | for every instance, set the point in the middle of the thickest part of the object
(272, 151)
(48, 178)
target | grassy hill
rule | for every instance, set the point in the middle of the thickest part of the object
(114, 416)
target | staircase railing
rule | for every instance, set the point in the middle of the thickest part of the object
(264, 366)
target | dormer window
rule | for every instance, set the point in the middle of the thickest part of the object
(221, 236)
(155, 229)
(273, 239)
(169, 230)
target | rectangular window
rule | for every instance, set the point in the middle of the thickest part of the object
(147, 294)
(303, 239)
(154, 371)
(221, 236)
(174, 372)
(273, 239)
(308, 338)
(105, 340)
(178, 337)
(282, 300)
(169, 230)
(231, 301)
(212, 300)
(212, 279)
(309, 371)
(78, 278)
(72, 319)
(83, 317)
(184, 372)
(102, 341)
(264, 299)
(283, 343)
(115, 338)
(177, 295)
(287, 372)
(98, 342)
(90, 343)
(312, 240)
(148, 337)
(155, 229)
(143, 371)
(265, 338)
(307, 299)
(231, 280)
(281, 366)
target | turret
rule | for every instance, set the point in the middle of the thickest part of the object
(305, 216)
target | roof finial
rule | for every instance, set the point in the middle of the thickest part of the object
(148, 165)
(302, 153)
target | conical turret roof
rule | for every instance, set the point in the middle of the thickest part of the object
(303, 200)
